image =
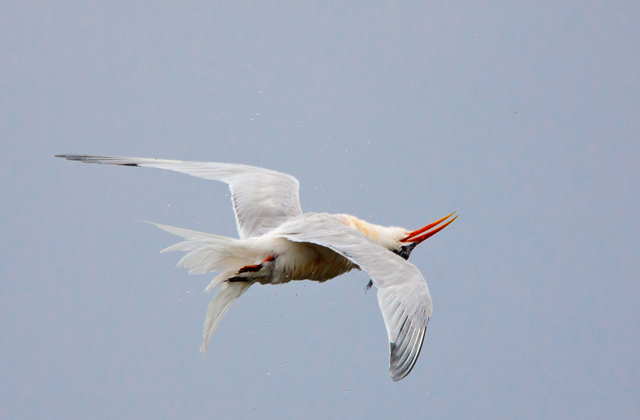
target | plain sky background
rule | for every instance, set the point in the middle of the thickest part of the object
(522, 116)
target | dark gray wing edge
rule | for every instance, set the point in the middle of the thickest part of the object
(404, 352)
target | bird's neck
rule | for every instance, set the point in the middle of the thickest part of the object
(376, 232)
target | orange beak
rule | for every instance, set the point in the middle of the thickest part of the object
(421, 234)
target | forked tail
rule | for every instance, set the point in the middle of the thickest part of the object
(206, 253)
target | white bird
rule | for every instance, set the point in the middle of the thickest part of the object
(278, 243)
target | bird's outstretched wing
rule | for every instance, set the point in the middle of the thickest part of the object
(262, 199)
(403, 294)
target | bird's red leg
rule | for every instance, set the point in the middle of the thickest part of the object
(254, 268)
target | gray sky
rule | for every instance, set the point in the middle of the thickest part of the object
(523, 117)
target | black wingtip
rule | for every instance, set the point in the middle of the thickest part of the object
(80, 158)
(107, 160)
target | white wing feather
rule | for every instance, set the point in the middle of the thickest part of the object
(262, 199)
(403, 294)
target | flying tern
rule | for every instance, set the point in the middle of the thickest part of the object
(279, 243)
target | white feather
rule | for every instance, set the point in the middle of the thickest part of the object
(227, 294)
(207, 253)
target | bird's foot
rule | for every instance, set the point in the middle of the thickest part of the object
(368, 286)
(237, 279)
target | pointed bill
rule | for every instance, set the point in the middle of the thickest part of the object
(424, 233)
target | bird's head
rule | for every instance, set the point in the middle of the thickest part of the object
(402, 241)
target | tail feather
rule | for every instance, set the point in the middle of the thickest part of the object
(227, 294)
(206, 258)
(207, 252)
(217, 280)
(182, 246)
(191, 234)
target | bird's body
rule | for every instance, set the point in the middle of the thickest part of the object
(278, 244)
(265, 259)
